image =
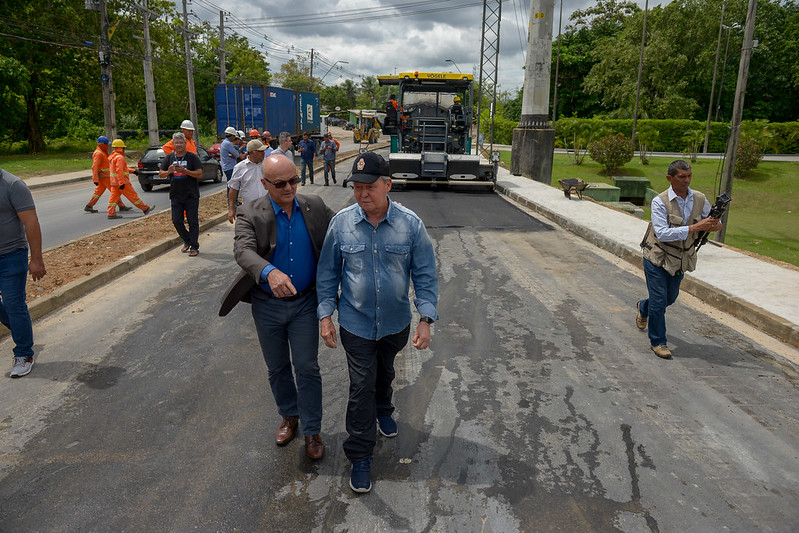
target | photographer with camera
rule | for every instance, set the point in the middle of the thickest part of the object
(680, 218)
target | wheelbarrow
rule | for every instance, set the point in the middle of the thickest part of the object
(573, 186)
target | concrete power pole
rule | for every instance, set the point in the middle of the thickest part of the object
(534, 138)
(222, 67)
(737, 110)
(189, 67)
(149, 83)
(311, 87)
(109, 114)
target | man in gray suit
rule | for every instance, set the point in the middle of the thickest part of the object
(277, 242)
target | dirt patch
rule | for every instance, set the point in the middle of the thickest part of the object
(76, 259)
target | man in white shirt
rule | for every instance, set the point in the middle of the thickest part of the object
(246, 181)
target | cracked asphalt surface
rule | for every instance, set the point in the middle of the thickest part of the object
(538, 407)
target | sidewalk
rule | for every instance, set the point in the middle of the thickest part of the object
(756, 291)
(37, 182)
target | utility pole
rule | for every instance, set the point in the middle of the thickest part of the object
(713, 85)
(222, 67)
(640, 72)
(189, 67)
(557, 71)
(737, 110)
(149, 83)
(109, 114)
(311, 86)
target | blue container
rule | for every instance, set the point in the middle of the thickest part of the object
(308, 111)
(240, 106)
(281, 110)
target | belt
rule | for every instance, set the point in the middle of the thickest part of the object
(297, 296)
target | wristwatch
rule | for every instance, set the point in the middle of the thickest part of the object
(426, 319)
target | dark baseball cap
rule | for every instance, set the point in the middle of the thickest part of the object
(368, 167)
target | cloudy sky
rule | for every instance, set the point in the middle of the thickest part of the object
(380, 36)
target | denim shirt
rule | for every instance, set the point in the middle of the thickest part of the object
(374, 266)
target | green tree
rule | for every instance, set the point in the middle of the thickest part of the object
(369, 93)
(332, 97)
(351, 90)
(295, 74)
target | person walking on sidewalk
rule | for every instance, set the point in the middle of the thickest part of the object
(101, 176)
(373, 250)
(679, 215)
(185, 170)
(277, 243)
(307, 150)
(329, 149)
(20, 232)
(120, 181)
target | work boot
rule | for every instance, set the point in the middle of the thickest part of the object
(149, 208)
(124, 207)
(90, 209)
(662, 351)
(114, 216)
(640, 320)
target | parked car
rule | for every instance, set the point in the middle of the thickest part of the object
(349, 125)
(150, 162)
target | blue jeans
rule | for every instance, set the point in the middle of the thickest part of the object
(303, 164)
(191, 206)
(663, 291)
(13, 310)
(289, 334)
(371, 369)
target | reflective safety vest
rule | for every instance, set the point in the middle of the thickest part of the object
(675, 256)
(100, 168)
(119, 169)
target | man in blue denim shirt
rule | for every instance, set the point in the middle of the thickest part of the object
(373, 250)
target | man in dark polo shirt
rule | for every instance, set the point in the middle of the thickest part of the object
(185, 169)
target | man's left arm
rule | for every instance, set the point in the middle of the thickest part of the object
(33, 232)
(425, 285)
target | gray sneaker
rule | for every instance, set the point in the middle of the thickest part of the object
(22, 366)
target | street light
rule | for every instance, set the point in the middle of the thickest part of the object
(455, 64)
(331, 68)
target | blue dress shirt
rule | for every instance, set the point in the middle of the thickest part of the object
(293, 253)
(374, 267)
(226, 150)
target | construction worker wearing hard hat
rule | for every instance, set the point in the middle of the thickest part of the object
(254, 135)
(101, 176)
(120, 182)
(187, 128)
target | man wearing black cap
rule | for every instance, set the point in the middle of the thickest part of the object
(373, 250)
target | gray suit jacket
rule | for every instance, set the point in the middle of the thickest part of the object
(256, 237)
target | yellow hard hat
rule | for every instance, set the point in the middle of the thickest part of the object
(457, 99)
(118, 143)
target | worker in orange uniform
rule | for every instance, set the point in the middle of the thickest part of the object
(187, 128)
(101, 176)
(120, 182)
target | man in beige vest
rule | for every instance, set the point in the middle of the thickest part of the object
(679, 216)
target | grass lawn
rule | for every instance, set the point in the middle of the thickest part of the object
(764, 213)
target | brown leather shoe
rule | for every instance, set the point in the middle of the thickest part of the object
(662, 351)
(640, 320)
(314, 447)
(286, 431)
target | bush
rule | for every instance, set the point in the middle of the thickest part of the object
(612, 151)
(748, 155)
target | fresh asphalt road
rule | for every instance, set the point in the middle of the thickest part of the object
(538, 406)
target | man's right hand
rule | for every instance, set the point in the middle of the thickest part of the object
(121, 187)
(96, 182)
(708, 224)
(328, 332)
(280, 284)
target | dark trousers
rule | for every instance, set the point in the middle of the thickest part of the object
(371, 368)
(663, 291)
(330, 166)
(289, 337)
(192, 208)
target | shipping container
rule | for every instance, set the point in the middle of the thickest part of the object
(261, 107)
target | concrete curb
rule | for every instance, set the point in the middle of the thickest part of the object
(767, 322)
(33, 186)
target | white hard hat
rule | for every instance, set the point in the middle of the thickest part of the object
(240, 134)
(187, 125)
(230, 130)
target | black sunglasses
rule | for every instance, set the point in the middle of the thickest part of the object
(280, 184)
